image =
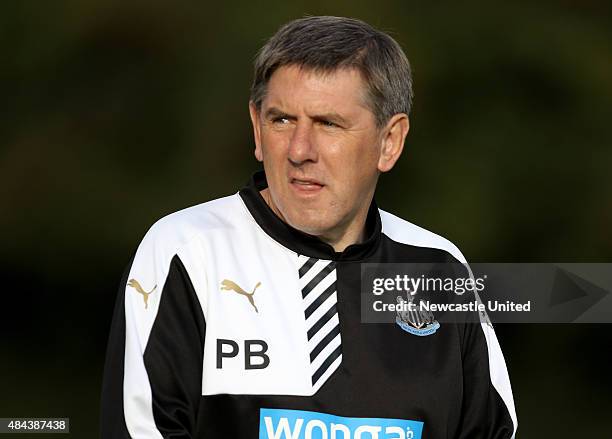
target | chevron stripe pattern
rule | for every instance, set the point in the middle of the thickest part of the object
(318, 285)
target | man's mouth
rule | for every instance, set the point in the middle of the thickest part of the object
(306, 184)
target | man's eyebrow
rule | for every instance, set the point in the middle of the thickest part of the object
(332, 116)
(273, 112)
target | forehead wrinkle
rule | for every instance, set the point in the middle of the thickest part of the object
(320, 92)
(328, 77)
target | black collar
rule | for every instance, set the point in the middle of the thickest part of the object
(301, 242)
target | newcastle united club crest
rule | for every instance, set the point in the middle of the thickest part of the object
(414, 318)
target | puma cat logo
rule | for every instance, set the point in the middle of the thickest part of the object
(229, 285)
(134, 284)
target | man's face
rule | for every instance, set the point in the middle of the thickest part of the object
(320, 147)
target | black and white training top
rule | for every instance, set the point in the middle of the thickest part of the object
(231, 324)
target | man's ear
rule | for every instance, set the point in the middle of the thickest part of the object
(256, 130)
(392, 141)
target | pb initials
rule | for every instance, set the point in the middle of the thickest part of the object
(252, 349)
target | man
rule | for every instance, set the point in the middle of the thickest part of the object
(241, 317)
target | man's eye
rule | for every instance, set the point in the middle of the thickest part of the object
(280, 120)
(329, 124)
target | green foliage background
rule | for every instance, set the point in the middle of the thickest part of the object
(116, 113)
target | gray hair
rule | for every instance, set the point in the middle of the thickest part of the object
(326, 44)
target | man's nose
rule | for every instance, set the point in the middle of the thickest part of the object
(302, 147)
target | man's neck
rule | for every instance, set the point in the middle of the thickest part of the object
(341, 236)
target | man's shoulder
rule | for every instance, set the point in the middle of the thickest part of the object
(177, 228)
(405, 232)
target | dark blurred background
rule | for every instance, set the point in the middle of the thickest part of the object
(115, 113)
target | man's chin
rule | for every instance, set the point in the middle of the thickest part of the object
(313, 226)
